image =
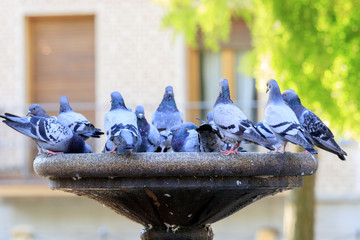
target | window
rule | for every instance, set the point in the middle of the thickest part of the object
(206, 68)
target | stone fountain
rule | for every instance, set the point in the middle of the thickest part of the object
(176, 195)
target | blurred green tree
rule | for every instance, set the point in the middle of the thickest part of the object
(311, 46)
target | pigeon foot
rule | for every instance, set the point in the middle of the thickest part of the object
(113, 150)
(51, 153)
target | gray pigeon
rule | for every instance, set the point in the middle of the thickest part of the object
(50, 135)
(265, 130)
(210, 136)
(37, 110)
(121, 126)
(76, 121)
(185, 138)
(165, 117)
(233, 124)
(150, 137)
(283, 121)
(320, 134)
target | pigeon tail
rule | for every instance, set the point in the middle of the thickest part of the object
(128, 138)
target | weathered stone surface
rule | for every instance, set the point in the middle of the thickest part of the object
(175, 164)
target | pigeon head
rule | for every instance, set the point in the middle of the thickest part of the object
(117, 101)
(143, 125)
(168, 101)
(182, 130)
(290, 97)
(139, 111)
(274, 90)
(272, 86)
(36, 110)
(169, 93)
(180, 133)
(64, 104)
(224, 93)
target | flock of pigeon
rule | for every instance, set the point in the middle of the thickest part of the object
(226, 128)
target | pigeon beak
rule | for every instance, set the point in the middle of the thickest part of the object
(267, 89)
(29, 114)
(141, 116)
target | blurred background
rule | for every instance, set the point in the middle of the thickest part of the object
(87, 49)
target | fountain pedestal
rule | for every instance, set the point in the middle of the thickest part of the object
(175, 195)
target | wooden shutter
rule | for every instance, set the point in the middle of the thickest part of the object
(61, 61)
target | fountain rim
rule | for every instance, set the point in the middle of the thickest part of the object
(142, 165)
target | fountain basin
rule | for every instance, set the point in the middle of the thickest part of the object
(175, 195)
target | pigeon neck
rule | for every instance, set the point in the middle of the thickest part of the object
(65, 107)
(42, 113)
(224, 97)
(143, 125)
(295, 102)
(275, 96)
(295, 105)
(120, 104)
(167, 105)
(178, 141)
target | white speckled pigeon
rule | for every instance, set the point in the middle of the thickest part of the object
(76, 121)
(283, 121)
(149, 134)
(165, 117)
(232, 122)
(121, 126)
(50, 135)
(320, 134)
(185, 138)
(265, 130)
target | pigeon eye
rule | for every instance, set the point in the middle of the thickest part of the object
(285, 94)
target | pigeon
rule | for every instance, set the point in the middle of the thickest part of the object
(76, 121)
(185, 138)
(150, 137)
(233, 124)
(165, 117)
(320, 134)
(265, 130)
(283, 121)
(50, 135)
(121, 126)
(209, 136)
(37, 110)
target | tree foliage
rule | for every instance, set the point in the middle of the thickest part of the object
(312, 47)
